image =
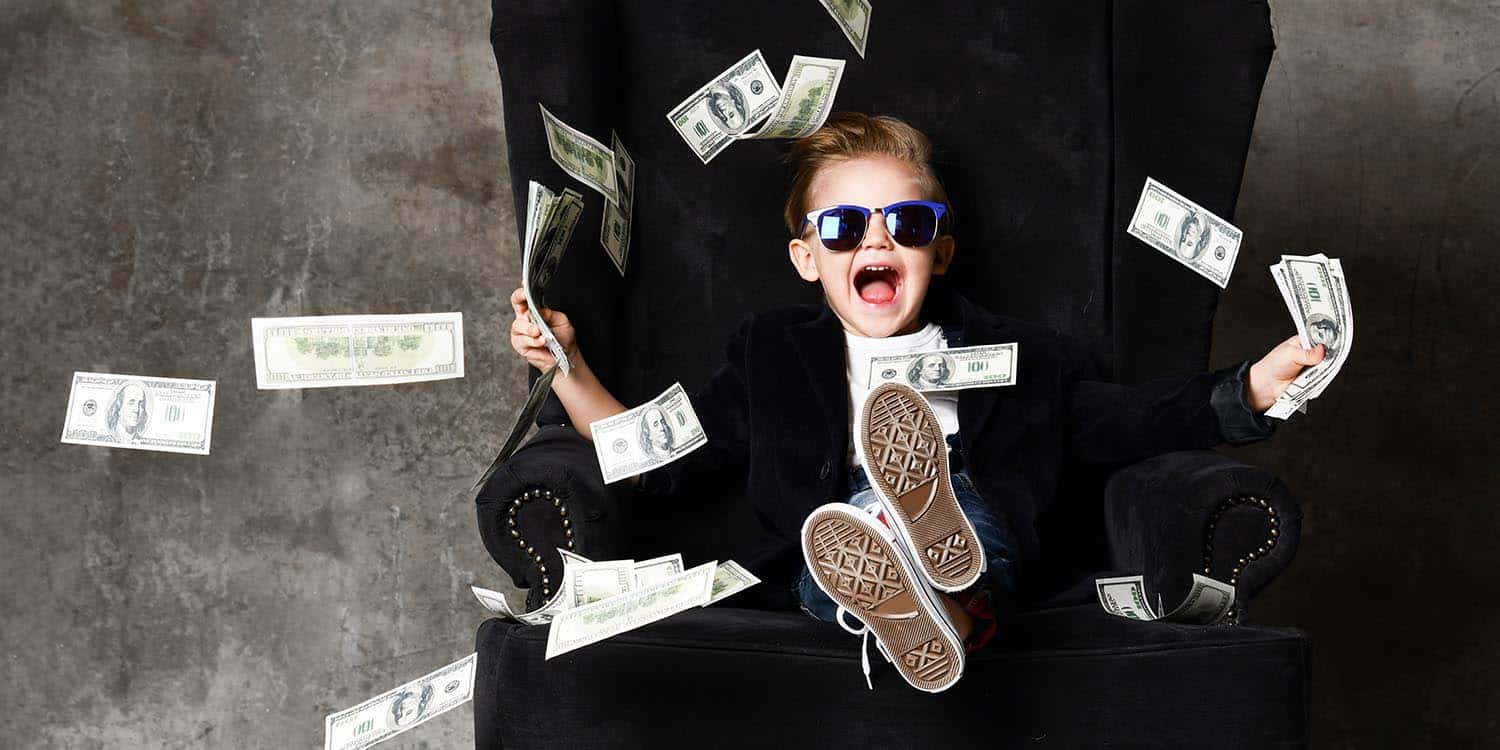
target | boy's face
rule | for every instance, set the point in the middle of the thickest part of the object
(877, 288)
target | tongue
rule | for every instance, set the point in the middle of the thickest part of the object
(878, 292)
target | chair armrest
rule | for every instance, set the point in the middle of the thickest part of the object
(1203, 512)
(549, 495)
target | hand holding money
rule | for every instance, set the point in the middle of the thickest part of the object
(1274, 372)
(527, 339)
(1317, 295)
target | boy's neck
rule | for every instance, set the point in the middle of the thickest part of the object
(906, 330)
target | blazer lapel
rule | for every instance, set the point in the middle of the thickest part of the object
(820, 345)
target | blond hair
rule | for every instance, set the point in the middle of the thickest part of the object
(849, 135)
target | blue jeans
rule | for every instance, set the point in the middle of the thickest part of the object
(999, 547)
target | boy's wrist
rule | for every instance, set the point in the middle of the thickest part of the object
(580, 373)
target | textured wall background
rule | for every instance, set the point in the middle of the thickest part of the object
(170, 170)
(1378, 142)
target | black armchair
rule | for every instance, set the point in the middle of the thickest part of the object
(1049, 120)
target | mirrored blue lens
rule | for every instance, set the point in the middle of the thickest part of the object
(841, 228)
(912, 225)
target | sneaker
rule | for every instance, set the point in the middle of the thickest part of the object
(857, 561)
(906, 459)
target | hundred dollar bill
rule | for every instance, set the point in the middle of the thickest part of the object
(1341, 294)
(586, 159)
(550, 222)
(1286, 296)
(493, 601)
(1341, 288)
(521, 424)
(142, 413)
(347, 350)
(406, 707)
(1125, 597)
(853, 17)
(1186, 232)
(1313, 288)
(595, 581)
(576, 628)
(614, 230)
(650, 571)
(561, 599)
(1208, 601)
(648, 436)
(730, 579)
(948, 369)
(1317, 296)
(732, 103)
(806, 98)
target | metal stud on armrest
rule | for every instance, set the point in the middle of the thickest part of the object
(1260, 550)
(511, 521)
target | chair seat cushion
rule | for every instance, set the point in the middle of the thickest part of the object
(1064, 677)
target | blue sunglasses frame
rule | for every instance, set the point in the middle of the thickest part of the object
(892, 225)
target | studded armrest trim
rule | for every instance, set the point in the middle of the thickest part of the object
(512, 523)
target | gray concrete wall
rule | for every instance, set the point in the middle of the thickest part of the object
(1378, 142)
(170, 170)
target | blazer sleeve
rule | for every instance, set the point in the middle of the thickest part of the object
(723, 409)
(1110, 423)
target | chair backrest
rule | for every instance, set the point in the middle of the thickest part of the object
(1047, 118)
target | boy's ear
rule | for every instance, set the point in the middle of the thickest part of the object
(801, 255)
(942, 254)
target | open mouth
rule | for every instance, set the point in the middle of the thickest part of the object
(877, 284)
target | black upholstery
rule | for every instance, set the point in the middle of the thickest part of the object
(1071, 677)
(1047, 118)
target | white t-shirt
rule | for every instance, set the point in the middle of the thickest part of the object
(860, 350)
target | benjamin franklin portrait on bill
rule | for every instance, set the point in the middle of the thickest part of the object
(129, 412)
(1322, 329)
(726, 103)
(930, 371)
(410, 706)
(1192, 236)
(655, 430)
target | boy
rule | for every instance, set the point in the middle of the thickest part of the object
(870, 223)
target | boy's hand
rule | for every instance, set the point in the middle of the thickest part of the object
(526, 337)
(1275, 371)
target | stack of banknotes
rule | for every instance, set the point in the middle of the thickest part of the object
(599, 599)
(1315, 292)
(1208, 601)
(550, 219)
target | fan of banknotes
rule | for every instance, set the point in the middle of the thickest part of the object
(1315, 292)
(1209, 601)
(600, 599)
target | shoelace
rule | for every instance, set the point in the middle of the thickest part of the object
(863, 631)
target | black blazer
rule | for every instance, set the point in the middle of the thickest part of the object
(777, 418)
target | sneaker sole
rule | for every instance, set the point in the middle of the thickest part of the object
(872, 579)
(906, 459)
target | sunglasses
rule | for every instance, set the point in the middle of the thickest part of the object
(910, 223)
